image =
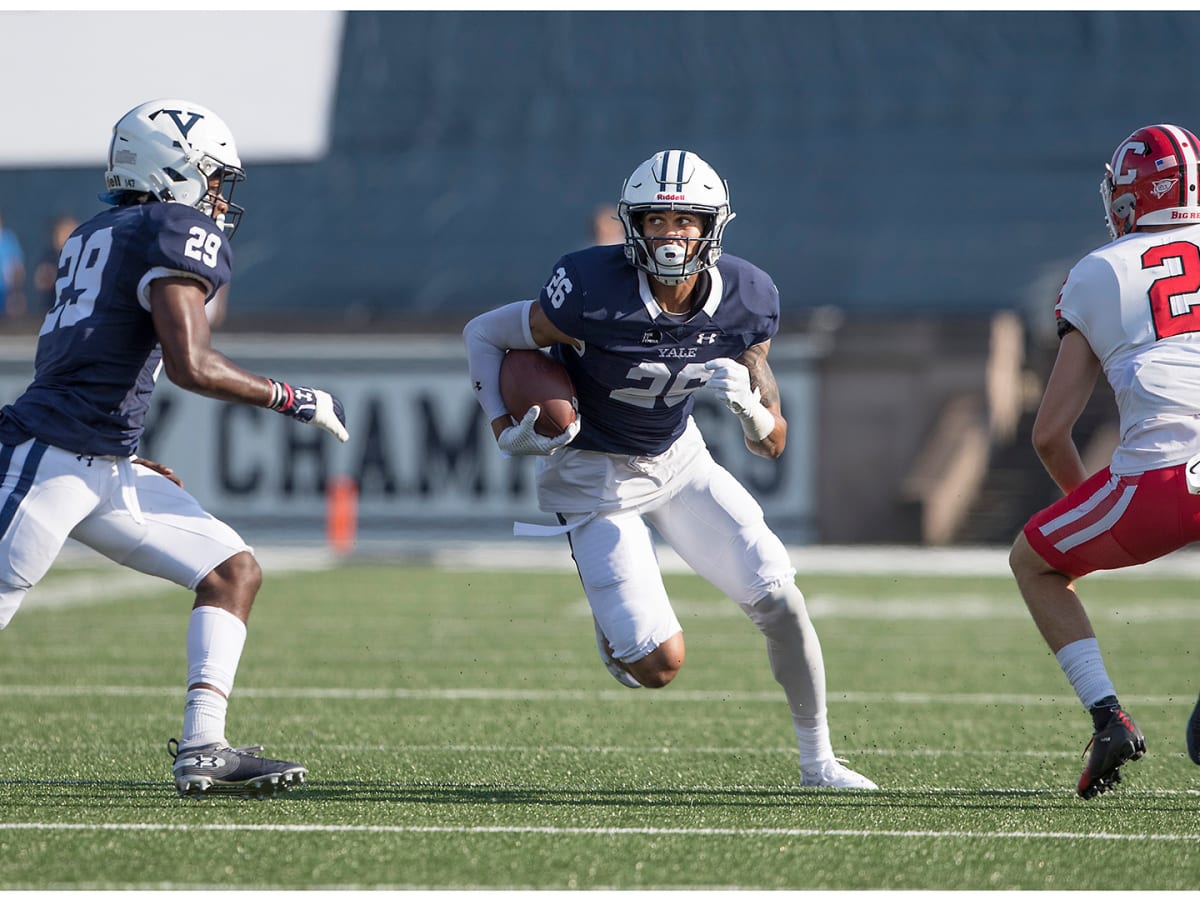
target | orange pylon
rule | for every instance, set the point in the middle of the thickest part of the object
(341, 514)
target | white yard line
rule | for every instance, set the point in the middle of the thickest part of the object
(105, 581)
(76, 590)
(105, 586)
(554, 555)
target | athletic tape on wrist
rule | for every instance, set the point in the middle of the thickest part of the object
(758, 423)
(281, 395)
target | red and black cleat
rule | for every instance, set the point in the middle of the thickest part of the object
(1118, 742)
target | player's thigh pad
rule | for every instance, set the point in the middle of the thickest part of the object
(175, 539)
(718, 529)
(619, 570)
(44, 491)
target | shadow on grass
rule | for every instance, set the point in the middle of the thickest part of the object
(450, 795)
(49, 794)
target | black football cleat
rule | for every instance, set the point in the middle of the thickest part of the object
(238, 771)
(1118, 742)
(1193, 735)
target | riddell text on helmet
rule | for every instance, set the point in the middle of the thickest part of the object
(670, 197)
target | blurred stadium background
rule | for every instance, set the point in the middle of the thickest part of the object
(918, 184)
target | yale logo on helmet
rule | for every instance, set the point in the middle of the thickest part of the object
(176, 117)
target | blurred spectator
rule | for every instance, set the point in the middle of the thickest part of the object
(46, 271)
(606, 227)
(12, 273)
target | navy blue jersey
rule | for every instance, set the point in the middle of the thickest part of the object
(640, 366)
(97, 352)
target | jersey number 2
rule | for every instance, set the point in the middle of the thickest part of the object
(1174, 302)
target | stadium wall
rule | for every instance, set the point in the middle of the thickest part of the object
(889, 161)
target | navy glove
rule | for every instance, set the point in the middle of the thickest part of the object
(311, 406)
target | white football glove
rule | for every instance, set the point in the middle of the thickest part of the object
(730, 381)
(522, 440)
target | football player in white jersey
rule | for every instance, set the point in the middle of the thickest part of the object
(130, 299)
(1130, 309)
(641, 326)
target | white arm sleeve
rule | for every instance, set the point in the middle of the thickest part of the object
(488, 336)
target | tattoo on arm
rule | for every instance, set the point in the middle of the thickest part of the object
(761, 376)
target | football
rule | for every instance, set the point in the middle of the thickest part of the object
(529, 377)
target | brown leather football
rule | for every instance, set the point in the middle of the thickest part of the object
(529, 377)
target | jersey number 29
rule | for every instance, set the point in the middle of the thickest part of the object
(82, 268)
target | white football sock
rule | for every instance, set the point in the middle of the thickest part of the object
(812, 734)
(1084, 667)
(203, 719)
(215, 639)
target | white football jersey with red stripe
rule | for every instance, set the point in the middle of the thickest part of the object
(1137, 301)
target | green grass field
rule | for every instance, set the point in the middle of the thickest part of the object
(460, 733)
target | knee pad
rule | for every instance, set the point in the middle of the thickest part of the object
(779, 608)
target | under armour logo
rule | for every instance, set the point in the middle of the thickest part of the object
(205, 761)
(176, 117)
(706, 337)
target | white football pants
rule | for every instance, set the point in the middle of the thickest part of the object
(713, 523)
(126, 512)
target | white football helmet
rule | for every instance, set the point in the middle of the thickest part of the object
(171, 149)
(677, 180)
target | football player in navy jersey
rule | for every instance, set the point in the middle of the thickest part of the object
(131, 291)
(640, 328)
